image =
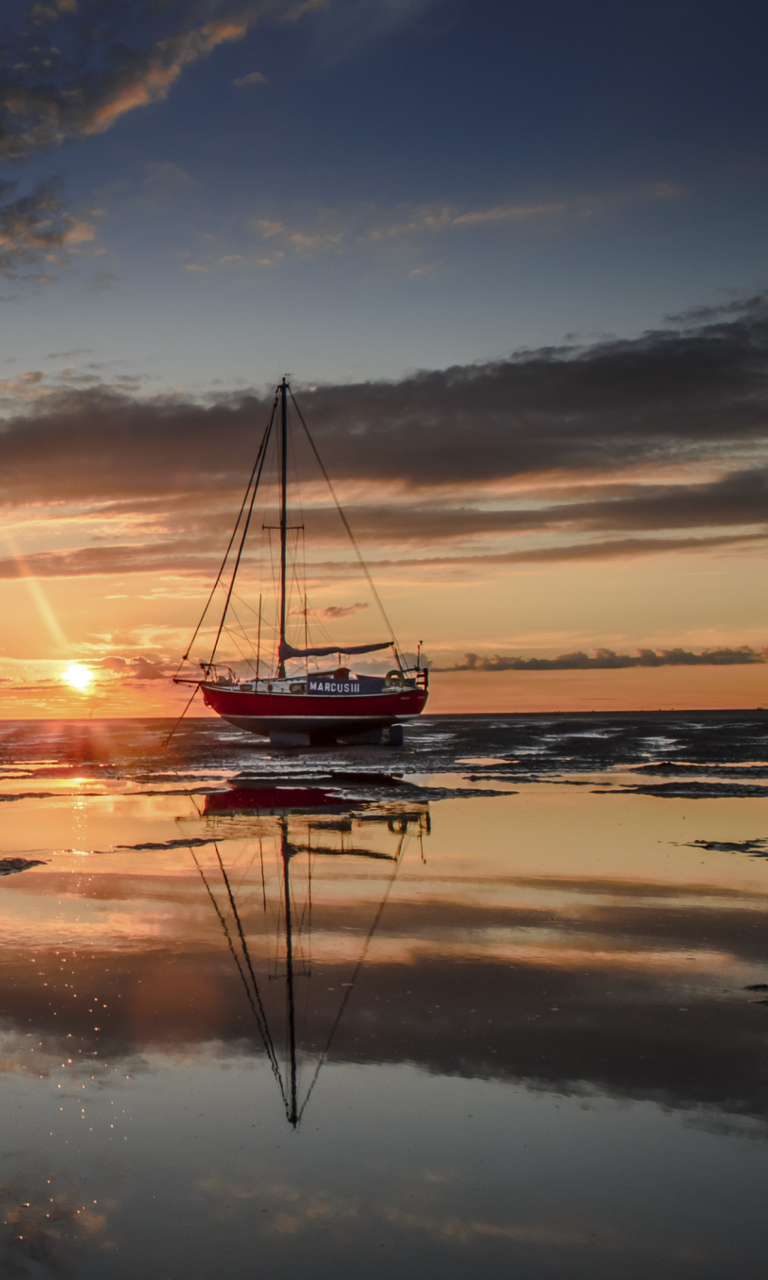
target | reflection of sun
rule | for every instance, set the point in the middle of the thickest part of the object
(78, 676)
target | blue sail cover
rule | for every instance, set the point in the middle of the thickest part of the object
(287, 650)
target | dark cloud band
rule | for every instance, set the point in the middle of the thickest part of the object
(608, 660)
(621, 449)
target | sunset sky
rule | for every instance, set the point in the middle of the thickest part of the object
(512, 257)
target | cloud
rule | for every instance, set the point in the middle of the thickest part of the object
(36, 235)
(608, 660)
(71, 71)
(330, 612)
(139, 668)
(432, 218)
(253, 77)
(307, 6)
(608, 549)
(367, 228)
(152, 76)
(89, 561)
(655, 445)
(755, 305)
(165, 171)
(49, 96)
(340, 611)
(106, 280)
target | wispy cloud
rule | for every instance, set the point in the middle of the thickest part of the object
(48, 97)
(253, 77)
(340, 611)
(297, 11)
(369, 229)
(153, 76)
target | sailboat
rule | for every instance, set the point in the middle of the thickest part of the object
(271, 945)
(294, 705)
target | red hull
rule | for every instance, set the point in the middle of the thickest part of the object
(313, 714)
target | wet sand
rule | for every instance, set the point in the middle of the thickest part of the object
(496, 1001)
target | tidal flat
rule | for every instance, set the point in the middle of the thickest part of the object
(496, 1001)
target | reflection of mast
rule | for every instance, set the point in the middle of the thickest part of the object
(288, 1076)
(285, 853)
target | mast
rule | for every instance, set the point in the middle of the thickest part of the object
(283, 517)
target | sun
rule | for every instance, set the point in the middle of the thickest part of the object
(78, 676)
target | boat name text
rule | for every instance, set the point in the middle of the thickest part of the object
(333, 686)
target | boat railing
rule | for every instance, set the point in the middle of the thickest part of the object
(221, 674)
(419, 676)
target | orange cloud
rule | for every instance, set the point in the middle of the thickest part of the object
(164, 64)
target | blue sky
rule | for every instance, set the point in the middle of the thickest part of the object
(413, 183)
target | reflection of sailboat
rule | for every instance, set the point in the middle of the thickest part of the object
(280, 951)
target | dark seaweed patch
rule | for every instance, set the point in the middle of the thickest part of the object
(10, 865)
(756, 847)
(691, 790)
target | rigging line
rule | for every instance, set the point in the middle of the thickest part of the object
(237, 634)
(245, 638)
(245, 873)
(265, 437)
(247, 955)
(195, 692)
(236, 642)
(346, 524)
(355, 976)
(318, 622)
(273, 1062)
(260, 465)
(250, 607)
(238, 623)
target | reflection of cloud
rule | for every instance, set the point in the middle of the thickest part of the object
(600, 967)
(42, 1230)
